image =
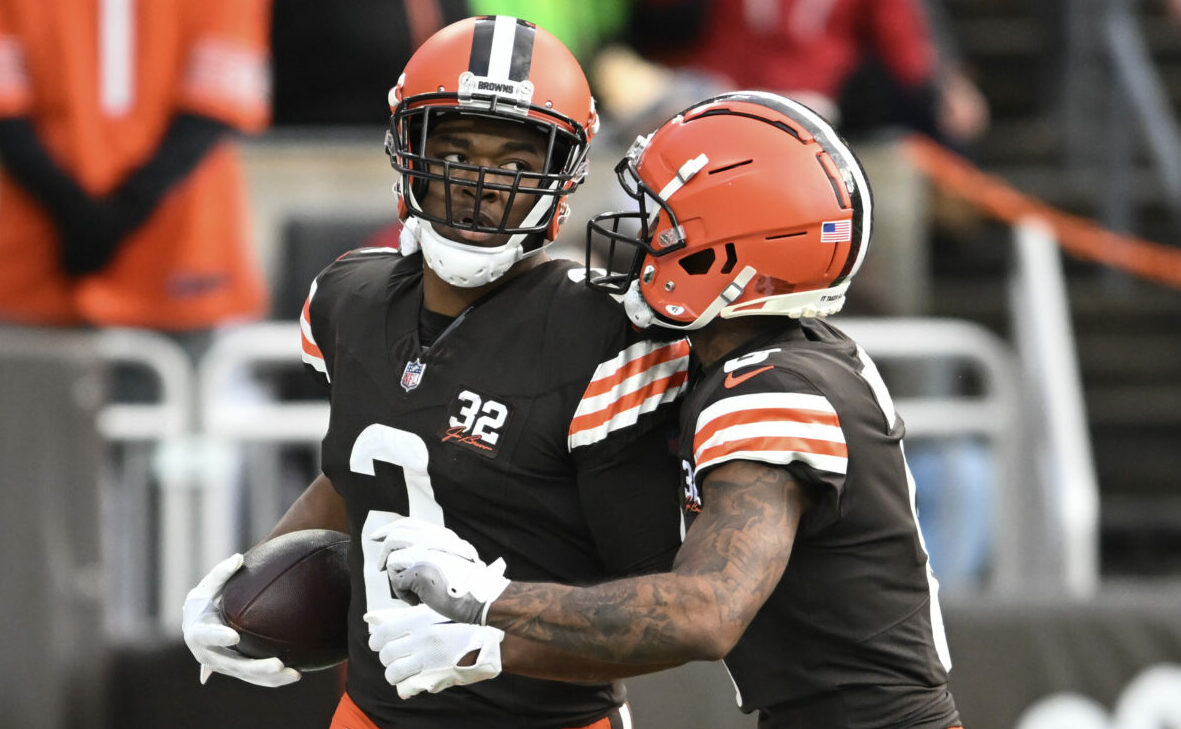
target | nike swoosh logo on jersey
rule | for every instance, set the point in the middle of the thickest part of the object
(732, 381)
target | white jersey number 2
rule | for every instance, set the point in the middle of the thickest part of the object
(408, 452)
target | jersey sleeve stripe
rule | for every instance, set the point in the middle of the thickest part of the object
(767, 442)
(632, 362)
(820, 434)
(826, 424)
(15, 88)
(664, 388)
(819, 461)
(766, 400)
(655, 376)
(310, 350)
(228, 77)
(636, 381)
(771, 427)
(625, 411)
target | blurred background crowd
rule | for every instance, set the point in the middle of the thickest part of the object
(174, 173)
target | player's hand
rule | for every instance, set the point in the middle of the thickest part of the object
(422, 651)
(211, 641)
(92, 236)
(430, 563)
(407, 531)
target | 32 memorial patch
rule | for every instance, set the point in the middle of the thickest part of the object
(477, 422)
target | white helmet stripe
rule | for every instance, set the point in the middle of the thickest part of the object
(502, 49)
(504, 37)
(684, 174)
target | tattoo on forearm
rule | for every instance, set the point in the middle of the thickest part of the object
(731, 561)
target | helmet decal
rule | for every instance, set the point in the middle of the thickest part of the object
(500, 61)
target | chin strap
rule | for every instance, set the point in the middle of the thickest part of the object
(818, 302)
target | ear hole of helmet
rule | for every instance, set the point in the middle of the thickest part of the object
(698, 263)
(731, 259)
(702, 261)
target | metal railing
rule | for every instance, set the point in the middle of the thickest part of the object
(202, 489)
(154, 437)
(1064, 542)
(990, 410)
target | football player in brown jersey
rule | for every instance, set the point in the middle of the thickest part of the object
(478, 384)
(804, 567)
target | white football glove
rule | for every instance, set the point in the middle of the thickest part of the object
(421, 649)
(407, 531)
(432, 564)
(211, 640)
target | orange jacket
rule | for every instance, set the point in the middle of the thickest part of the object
(101, 80)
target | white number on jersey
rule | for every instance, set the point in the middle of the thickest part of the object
(407, 451)
(480, 418)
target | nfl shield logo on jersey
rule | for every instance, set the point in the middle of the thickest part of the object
(412, 375)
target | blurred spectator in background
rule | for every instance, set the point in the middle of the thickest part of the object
(122, 200)
(804, 48)
(952, 110)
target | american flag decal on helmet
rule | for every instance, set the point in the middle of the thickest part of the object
(638, 380)
(502, 48)
(836, 231)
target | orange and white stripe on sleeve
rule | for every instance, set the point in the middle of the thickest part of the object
(16, 92)
(228, 80)
(638, 380)
(777, 428)
(311, 351)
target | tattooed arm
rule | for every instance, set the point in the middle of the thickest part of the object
(731, 560)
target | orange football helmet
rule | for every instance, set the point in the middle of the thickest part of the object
(503, 68)
(749, 204)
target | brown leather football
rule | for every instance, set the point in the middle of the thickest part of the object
(290, 599)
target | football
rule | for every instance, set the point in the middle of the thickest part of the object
(290, 599)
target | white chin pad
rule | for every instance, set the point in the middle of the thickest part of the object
(463, 265)
(636, 307)
(408, 237)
